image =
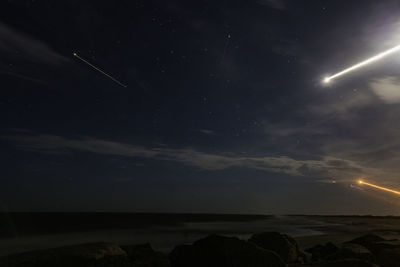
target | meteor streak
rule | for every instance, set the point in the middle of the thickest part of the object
(99, 70)
(362, 64)
(361, 182)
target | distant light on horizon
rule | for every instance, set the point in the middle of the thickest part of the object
(362, 64)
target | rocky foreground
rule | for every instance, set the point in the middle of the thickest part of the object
(269, 249)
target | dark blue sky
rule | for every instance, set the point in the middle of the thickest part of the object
(224, 110)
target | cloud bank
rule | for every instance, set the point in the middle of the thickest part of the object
(323, 167)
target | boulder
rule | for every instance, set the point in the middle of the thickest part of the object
(376, 244)
(283, 245)
(352, 251)
(322, 252)
(93, 254)
(304, 257)
(144, 256)
(341, 263)
(389, 257)
(221, 251)
(368, 241)
(377, 247)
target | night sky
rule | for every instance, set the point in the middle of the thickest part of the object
(224, 109)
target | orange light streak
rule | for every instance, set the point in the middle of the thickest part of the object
(361, 182)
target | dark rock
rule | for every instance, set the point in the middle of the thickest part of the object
(285, 246)
(220, 251)
(352, 251)
(145, 256)
(94, 254)
(185, 255)
(389, 257)
(341, 263)
(376, 244)
(368, 241)
(304, 257)
(322, 252)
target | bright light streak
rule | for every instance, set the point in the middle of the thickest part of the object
(362, 64)
(99, 70)
(361, 182)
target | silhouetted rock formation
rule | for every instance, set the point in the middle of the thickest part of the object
(389, 257)
(372, 242)
(368, 248)
(269, 249)
(330, 252)
(145, 256)
(352, 251)
(220, 251)
(341, 263)
(322, 252)
(89, 255)
(283, 245)
(96, 254)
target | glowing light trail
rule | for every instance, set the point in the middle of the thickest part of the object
(99, 70)
(362, 64)
(361, 182)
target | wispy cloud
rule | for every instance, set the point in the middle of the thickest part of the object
(205, 131)
(387, 89)
(348, 103)
(20, 55)
(21, 76)
(282, 164)
(15, 44)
